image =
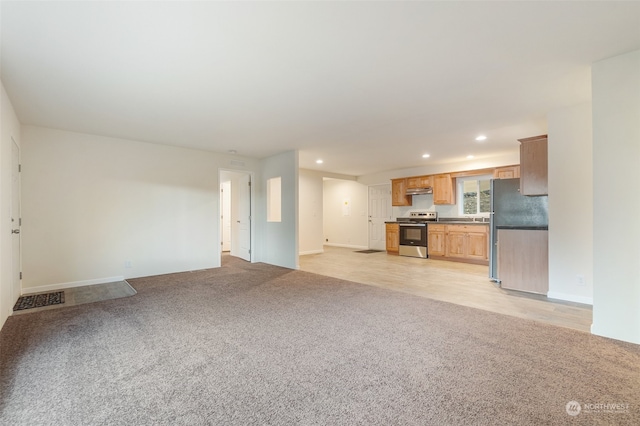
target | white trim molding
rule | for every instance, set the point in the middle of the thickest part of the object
(347, 246)
(304, 253)
(60, 286)
(570, 298)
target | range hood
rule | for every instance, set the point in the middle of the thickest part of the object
(420, 191)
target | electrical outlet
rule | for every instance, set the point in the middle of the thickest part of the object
(580, 280)
(127, 264)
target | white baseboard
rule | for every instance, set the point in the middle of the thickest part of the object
(60, 286)
(351, 246)
(304, 253)
(570, 298)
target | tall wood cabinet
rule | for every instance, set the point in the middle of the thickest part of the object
(533, 165)
(399, 195)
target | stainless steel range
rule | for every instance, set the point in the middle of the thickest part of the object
(413, 233)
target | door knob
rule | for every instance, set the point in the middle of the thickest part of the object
(15, 231)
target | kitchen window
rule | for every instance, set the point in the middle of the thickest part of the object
(475, 195)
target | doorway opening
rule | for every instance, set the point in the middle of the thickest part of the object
(235, 214)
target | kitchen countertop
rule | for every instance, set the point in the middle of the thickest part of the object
(524, 228)
(459, 222)
(446, 222)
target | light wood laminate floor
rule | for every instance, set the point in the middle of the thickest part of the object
(460, 283)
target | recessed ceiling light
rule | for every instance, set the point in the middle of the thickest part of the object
(481, 138)
(469, 157)
(425, 156)
(319, 161)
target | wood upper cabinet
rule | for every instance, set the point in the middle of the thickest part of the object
(435, 240)
(399, 195)
(533, 165)
(508, 172)
(444, 189)
(419, 182)
(393, 237)
(468, 242)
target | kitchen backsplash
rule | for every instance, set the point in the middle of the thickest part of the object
(425, 203)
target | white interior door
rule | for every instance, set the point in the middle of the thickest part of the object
(241, 216)
(15, 218)
(379, 212)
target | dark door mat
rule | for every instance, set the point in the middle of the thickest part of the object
(39, 300)
(369, 251)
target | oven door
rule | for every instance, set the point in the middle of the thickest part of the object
(413, 234)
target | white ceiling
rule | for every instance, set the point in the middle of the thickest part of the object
(366, 86)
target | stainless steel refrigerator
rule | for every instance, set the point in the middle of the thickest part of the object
(511, 209)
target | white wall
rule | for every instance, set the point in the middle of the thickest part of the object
(279, 240)
(616, 230)
(346, 226)
(9, 127)
(311, 234)
(571, 204)
(97, 208)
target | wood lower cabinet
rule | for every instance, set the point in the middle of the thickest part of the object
(462, 243)
(399, 195)
(393, 238)
(456, 241)
(444, 189)
(436, 240)
(533, 165)
(508, 172)
(477, 247)
(523, 260)
(469, 242)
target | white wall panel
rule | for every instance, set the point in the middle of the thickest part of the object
(571, 204)
(278, 241)
(616, 231)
